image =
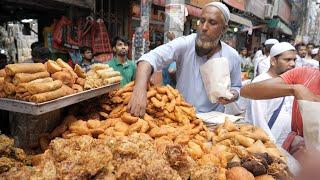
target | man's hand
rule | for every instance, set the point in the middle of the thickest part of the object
(303, 93)
(138, 102)
(225, 101)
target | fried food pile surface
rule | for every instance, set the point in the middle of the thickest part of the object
(169, 142)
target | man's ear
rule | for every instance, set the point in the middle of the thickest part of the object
(273, 61)
(225, 28)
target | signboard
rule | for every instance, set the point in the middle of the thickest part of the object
(239, 4)
(256, 7)
(284, 10)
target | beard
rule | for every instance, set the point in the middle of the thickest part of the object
(204, 46)
(122, 53)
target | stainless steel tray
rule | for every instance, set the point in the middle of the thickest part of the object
(41, 108)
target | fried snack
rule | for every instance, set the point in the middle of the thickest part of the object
(257, 147)
(124, 90)
(264, 177)
(244, 141)
(8, 79)
(161, 90)
(26, 77)
(121, 127)
(1, 83)
(98, 66)
(36, 88)
(113, 80)
(23, 87)
(239, 173)
(66, 77)
(78, 70)
(53, 67)
(2, 72)
(12, 69)
(77, 88)
(157, 103)
(93, 124)
(104, 74)
(47, 96)
(9, 88)
(81, 81)
(63, 64)
(104, 115)
(171, 105)
(127, 118)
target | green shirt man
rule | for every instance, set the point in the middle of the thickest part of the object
(120, 62)
(127, 70)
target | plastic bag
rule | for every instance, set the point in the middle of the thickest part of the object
(311, 123)
(216, 78)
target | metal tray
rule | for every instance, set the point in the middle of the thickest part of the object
(41, 108)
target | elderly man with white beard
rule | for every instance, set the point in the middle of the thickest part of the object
(190, 52)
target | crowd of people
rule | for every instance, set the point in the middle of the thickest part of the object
(280, 73)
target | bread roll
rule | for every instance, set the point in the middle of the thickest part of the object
(81, 81)
(36, 88)
(2, 73)
(12, 69)
(63, 64)
(26, 77)
(48, 96)
(22, 87)
(98, 66)
(79, 71)
(53, 67)
(1, 83)
(113, 80)
(107, 74)
(65, 77)
(9, 88)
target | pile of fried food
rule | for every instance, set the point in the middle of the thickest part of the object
(37, 82)
(170, 121)
(100, 75)
(169, 142)
(10, 156)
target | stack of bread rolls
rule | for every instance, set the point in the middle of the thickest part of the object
(37, 82)
(100, 75)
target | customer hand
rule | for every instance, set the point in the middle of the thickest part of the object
(138, 102)
(225, 101)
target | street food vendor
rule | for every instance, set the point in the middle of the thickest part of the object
(304, 84)
(190, 52)
(274, 115)
(120, 61)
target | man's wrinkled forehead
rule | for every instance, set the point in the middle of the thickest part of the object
(211, 13)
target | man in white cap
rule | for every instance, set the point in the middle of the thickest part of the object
(190, 52)
(274, 115)
(303, 83)
(262, 64)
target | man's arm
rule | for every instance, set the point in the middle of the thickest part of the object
(138, 101)
(268, 89)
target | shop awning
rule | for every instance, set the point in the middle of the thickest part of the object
(278, 24)
(240, 20)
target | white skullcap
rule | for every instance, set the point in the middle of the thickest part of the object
(280, 48)
(271, 42)
(315, 51)
(223, 8)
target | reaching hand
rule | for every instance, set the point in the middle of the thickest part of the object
(138, 102)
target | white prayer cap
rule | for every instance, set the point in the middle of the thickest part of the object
(222, 7)
(315, 51)
(280, 48)
(271, 42)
